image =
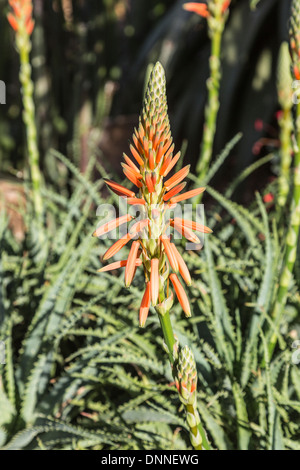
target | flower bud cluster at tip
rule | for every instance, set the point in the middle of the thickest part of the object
(211, 9)
(185, 374)
(149, 170)
(20, 18)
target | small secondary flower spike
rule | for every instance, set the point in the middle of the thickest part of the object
(285, 121)
(156, 191)
(21, 20)
(216, 13)
(186, 383)
(295, 38)
(293, 231)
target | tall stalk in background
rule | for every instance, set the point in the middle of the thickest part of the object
(152, 247)
(23, 24)
(285, 93)
(293, 230)
(216, 12)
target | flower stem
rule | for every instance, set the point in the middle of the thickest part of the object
(285, 98)
(24, 47)
(213, 104)
(285, 163)
(168, 334)
(198, 428)
(193, 419)
(291, 243)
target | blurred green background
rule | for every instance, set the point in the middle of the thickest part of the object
(89, 62)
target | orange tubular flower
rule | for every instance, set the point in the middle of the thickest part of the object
(172, 164)
(131, 263)
(135, 201)
(119, 189)
(186, 232)
(167, 161)
(199, 8)
(159, 153)
(116, 247)
(117, 265)
(151, 160)
(149, 183)
(190, 224)
(136, 155)
(154, 280)
(225, 5)
(296, 72)
(131, 176)
(187, 195)
(177, 178)
(21, 18)
(109, 226)
(202, 10)
(138, 227)
(174, 191)
(169, 252)
(135, 173)
(145, 305)
(152, 150)
(183, 269)
(130, 163)
(181, 295)
(13, 21)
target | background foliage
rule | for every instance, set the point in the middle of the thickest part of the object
(100, 72)
(79, 373)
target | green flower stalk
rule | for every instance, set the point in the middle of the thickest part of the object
(293, 230)
(151, 246)
(216, 12)
(23, 24)
(285, 95)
